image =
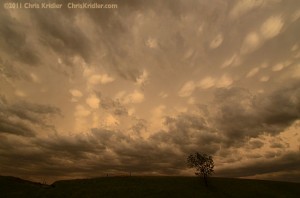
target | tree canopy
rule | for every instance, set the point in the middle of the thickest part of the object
(203, 164)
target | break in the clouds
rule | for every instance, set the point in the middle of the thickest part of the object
(136, 89)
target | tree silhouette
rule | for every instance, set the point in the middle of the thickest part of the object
(203, 163)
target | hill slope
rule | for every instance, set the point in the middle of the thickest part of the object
(149, 187)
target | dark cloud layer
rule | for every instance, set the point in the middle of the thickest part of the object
(113, 105)
(288, 162)
(239, 60)
(241, 114)
(22, 118)
(14, 40)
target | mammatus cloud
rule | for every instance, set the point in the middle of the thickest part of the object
(217, 41)
(207, 82)
(244, 118)
(272, 27)
(244, 6)
(100, 79)
(187, 89)
(140, 87)
(133, 97)
(252, 42)
(93, 101)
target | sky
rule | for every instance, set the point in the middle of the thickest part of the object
(90, 92)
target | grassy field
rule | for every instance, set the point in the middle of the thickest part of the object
(148, 187)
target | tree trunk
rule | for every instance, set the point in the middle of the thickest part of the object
(205, 180)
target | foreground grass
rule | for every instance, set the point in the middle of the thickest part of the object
(150, 187)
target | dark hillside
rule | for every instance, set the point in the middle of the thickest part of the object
(16, 187)
(149, 187)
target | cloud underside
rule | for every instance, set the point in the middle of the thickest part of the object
(137, 89)
(238, 116)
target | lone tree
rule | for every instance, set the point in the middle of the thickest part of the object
(203, 163)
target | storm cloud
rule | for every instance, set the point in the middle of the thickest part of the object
(136, 89)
